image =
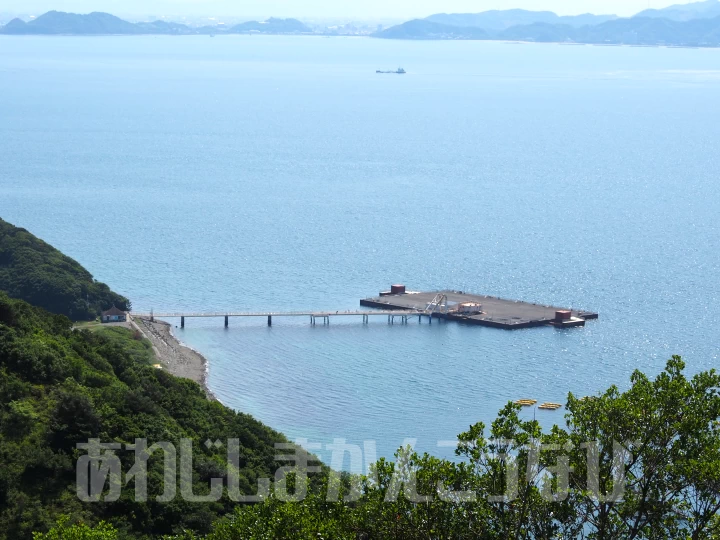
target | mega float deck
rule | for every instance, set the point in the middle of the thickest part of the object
(479, 309)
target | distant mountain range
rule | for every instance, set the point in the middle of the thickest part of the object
(635, 31)
(685, 12)
(58, 22)
(696, 24)
(500, 20)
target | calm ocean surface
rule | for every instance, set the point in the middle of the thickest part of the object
(282, 173)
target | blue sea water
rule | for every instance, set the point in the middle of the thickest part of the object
(281, 173)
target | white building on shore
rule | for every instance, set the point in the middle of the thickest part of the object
(113, 315)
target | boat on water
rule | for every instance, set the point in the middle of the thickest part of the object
(399, 71)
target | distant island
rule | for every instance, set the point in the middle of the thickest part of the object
(687, 25)
(498, 20)
(61, 23)
(696, 25)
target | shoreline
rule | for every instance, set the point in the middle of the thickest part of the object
(174, 356)
(370, 36)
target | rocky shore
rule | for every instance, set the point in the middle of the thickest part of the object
(178, 359)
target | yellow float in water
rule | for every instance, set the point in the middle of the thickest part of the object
(550, 406)
(526, 402)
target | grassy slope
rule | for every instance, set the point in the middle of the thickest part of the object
(138, 347)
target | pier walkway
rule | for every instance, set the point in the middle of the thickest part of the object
(402, 315)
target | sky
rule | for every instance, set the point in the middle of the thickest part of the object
(328, 8)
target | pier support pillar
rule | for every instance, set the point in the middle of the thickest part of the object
(182, 322)
(269, 320)
(227, 322)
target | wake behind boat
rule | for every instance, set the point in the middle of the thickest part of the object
(399, 71)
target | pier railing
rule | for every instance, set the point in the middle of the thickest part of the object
(403, 315)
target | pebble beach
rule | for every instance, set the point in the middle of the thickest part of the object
(178, 359)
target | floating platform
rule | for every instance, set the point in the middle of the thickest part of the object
(478, 309)
(526, 402)
(550, 406)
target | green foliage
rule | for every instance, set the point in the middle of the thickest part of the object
(672, 477)
(64, 531)
(20, 418)
(134, 344)
(36, 272)
(59, 387)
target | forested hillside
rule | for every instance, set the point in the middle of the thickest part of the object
(38, 273)
(639, 464)
(60, 387)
